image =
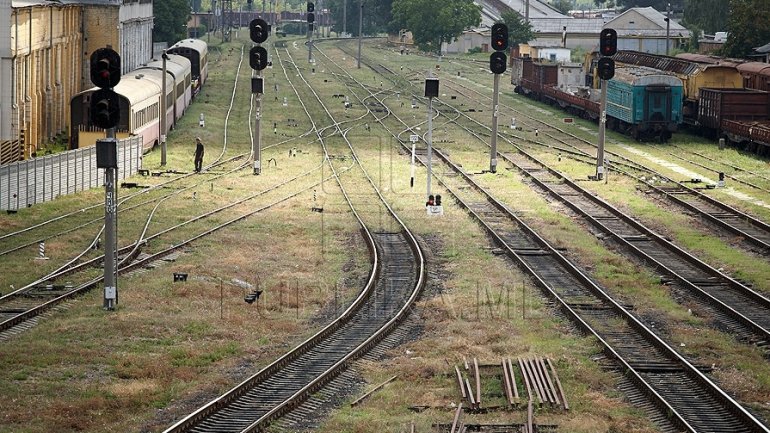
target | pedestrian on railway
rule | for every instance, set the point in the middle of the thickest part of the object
(198, 154)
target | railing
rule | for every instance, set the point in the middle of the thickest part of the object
(26, 183)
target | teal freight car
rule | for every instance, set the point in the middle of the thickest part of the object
(644, 103)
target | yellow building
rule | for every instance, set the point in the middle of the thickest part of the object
(44, 60)
(45, 51)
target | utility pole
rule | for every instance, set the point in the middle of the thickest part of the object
(526, 12)
(344, 17)
(668, 26)
(361, 35)
(163, 110)
(310, 25)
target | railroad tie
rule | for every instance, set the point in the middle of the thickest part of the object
(558, 385)
(507, 383)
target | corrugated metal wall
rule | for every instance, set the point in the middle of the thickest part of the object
(26, 183)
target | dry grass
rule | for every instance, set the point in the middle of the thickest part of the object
(170, 347)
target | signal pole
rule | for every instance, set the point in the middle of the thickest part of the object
(497, 64)
(257, 145)
(310, 21)
(431, 91)
(602, 127)
(495, 108)
(259, 30)
(608, 46)
(107, 158)
(105, 113)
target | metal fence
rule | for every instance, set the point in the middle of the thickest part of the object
(26, 183)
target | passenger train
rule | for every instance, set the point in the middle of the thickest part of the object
(724, 98)
(140, 92)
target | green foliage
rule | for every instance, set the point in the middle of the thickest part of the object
(748, 27)
(171, 17)
(519, 31)
(563, 6)
(474, 50)
(294, 28)
(432, 23)
(377, 16)
(708, 15)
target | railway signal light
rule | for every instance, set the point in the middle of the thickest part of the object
(259, 30)
(498, 62)
(608, 42)
(310, 7)
(105, 68)
(310, 10)
(310, 17)
(606, 68)
(105, 108)
(258, 58)
(431, 87)
(499, 37)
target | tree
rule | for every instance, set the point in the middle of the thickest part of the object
(171, 17)
(433, 22)
(377, 15)
(747, 27)
(708, 15)
(563, 6)
(519, 31)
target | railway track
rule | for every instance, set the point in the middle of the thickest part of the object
(396, 279)
(687, 397)
(27, 303)
(752, 230)
(744, 311)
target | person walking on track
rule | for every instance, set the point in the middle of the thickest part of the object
(198, 154)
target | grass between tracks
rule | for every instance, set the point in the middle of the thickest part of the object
(166, 350)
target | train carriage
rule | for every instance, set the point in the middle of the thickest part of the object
(139, 95)
(644, 102)
(694, 75)
(179, 68)
(755, 75)
(197, 52)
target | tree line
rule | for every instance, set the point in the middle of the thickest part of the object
(434, 22)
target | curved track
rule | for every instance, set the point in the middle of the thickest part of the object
(689, 399)
(395, 281)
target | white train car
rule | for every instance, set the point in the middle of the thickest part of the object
(139, 93)
(179, 68)
(197, 51)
